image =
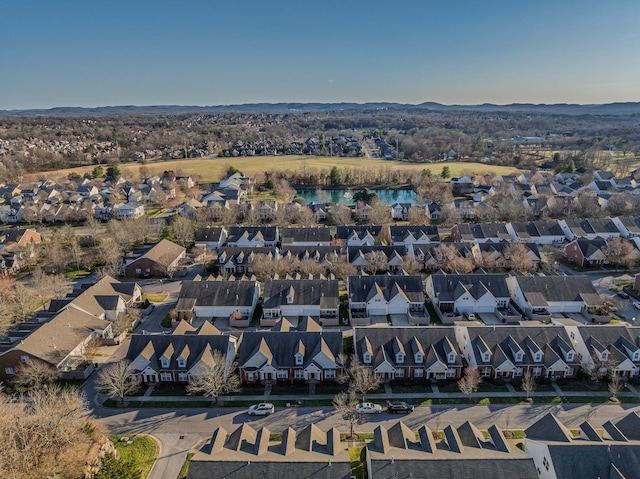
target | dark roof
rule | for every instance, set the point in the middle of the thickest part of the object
(360, 287)
(401, 233)
(269, 233)
(283, 345)
(602, 460)
(343, 232)
(559, 288)
(317, 253)
(219, 293)
(196, 345)
(483, 230)
(448, 287)
(354, 251)
(208, 234)
(548, 428)
(286, 469)
(307, 235)
(589, 226)
(323, 293)
(436, 341)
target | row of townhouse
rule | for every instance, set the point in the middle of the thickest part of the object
(60, 336)
(510, 298)
(309, 353)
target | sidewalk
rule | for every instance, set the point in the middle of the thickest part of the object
(632, 392)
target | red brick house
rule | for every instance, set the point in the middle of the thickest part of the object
(161, 260)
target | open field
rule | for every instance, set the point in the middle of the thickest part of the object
(212, 169)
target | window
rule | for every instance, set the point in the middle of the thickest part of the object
(485, 372)
(299, 374)
(165, 362)
(8, 371)
(518, 372)
(250, 376)
(518, 356)
(24, 358)
(451, 373)
(418, 373)
(183, 377)
(636, 356)
(283, 374)
(545, 463)
(182, 363)
(537, 372)
(138, 271)
(419, 358)
(366, 358)
(400, 358)
(568, 372)
(486, 357)
(330, 374)
(165, 376)
(570, 356)
(299, 359)
(400, 373)
(538, 357)
(452, 358)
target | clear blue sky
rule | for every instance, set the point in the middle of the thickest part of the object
(199, 52)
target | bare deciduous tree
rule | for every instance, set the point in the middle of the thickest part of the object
(615, 385)
(340, 215)
(183, 230)
(359, 378)
(34, 374)
(619, 252)
(517, 257)
(220, 377)
(528, 383)
(469, 383)
(345, 404)
(116, 380)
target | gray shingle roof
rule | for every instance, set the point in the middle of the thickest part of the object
(269, 233)
(559, 288)
(316, 292)
(219, 293)
(360, 287)
(292, 235)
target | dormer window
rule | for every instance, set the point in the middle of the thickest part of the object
(605, 355)
(165, 362)
(299, 359)
(182, 363)
(239, 260)
(486, 357)
(366, 358)
(451, 358)
(636, 356)
(419, 358)
(570, 356)
(400, 358)
(518, 357)
(289, 299)
(537, 357)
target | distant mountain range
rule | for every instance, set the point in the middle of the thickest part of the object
(628, 108)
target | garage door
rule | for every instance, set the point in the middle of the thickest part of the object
(377, 311)
(397, 310)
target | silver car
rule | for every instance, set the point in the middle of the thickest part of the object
(262, 409)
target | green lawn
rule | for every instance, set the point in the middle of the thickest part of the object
(155, 297)
(185, 467)
(358, 463)
(143, 452)
(77, 274)
(586, 387)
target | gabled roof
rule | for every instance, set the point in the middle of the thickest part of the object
(163, 253)
(219, 293)
(559, 289)
(209, 234)
(548, 428)
(267, 233)
(362, 287)
(344, 232)
(306, 235)
(449, 287)
(316, 292)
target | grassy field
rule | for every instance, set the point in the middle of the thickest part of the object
(212, 169)
(143, 452)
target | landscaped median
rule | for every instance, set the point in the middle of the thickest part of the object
(136, 456)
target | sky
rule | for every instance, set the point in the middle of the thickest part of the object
(213, 52)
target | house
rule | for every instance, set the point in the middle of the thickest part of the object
(462, 186)
(414, 235)
(70, 324)
(363, 210)
(541, 296)
(465, 451)
(539, 232)
(252, 236)
(512, 351)
(292, 298)
(326, 255)
(400, 211)
(611, 348)
(306, 236)
(267, 209)
(586, 252)
(289, 356)
(319, 211)
(210, 238)
(465, 209)
(379, 295)
(161, 259)
(14, 238)
(430, 255)
(629, 226)
(408, 352)
(175, 358)
(128, 211)
(246, 453)
(611, 451)
(357, 235)
(377, 258)
(218, 299)
(589, 228)
(496, 252)
(480, 232)
(238, 260)
(453, 295)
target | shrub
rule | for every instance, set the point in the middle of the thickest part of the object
(485, 401)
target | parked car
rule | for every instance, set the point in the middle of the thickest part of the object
(470, 316)
(399, 406)
(636, 304)
(623, 295)
(262, 409)
(369, 408)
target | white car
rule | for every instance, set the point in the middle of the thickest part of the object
(262, 409)
(369, 408)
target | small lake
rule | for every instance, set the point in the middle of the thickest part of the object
(387, 196)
